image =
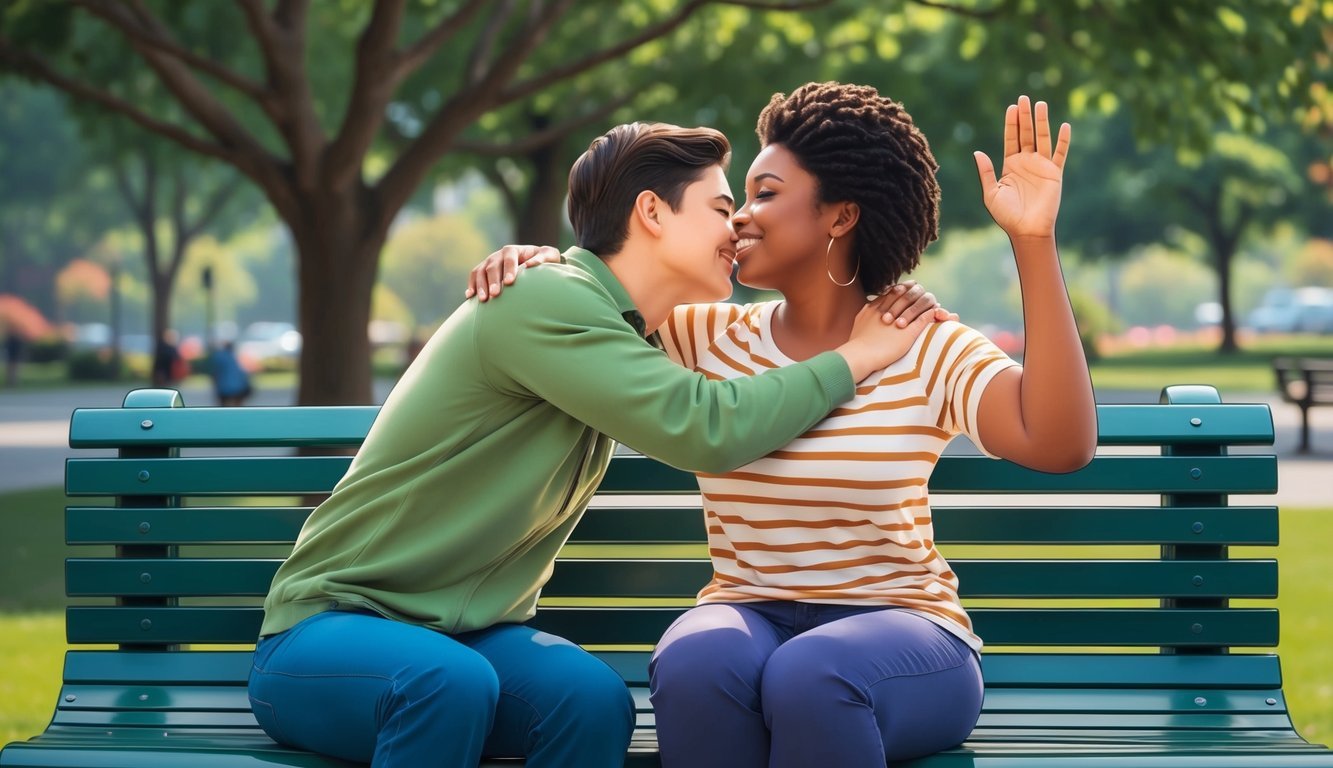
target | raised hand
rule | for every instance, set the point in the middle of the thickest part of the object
(1026, 198)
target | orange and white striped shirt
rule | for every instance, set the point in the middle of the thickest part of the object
(841, 514)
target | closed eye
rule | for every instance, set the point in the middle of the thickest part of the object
(762, 194)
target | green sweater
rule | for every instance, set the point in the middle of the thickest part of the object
(488, 450)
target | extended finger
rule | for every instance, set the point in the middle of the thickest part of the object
(1026, 139)
(510, 266)
(1062, 146)
(1011, 130)
(493, 267)
(900, 307)
(898, 298)
(1043, 130)
(924, 305)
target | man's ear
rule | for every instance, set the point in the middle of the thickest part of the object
(647, 212)
(848, 214)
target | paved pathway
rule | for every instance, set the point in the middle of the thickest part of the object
(34, 429)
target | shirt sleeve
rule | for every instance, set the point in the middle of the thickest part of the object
(692, 327)
(565, 342)
(964, 362)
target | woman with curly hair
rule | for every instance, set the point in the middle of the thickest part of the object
(831, 632)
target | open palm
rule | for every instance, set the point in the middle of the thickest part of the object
(1025, 199)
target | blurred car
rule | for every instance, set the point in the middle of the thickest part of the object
(264, 343)
(1300, 310)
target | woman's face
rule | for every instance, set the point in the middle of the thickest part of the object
(783, 229)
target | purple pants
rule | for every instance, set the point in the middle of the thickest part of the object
(751, 685)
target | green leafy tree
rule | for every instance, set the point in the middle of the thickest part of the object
(52, 209)
(305, 115)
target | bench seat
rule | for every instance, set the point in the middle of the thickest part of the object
(1105, 596)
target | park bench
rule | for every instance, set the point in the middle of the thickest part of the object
(1305, 382)
(1105, 595)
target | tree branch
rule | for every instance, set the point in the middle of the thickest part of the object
(501, 13)
(214, 205)
(189, 92)
(544, 137)
(142, 26)
(666, 26)
(37, 68)
(373, 86)
(291, 106)
(420, 52)
(454, 116)
(959, 10)
(492, 172)
(178, 226)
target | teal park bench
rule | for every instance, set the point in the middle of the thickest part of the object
(1124, 649)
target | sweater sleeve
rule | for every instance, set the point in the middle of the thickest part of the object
(566, 343)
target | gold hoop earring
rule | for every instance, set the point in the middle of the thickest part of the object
(829, 271)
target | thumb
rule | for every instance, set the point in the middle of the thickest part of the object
(986, 170)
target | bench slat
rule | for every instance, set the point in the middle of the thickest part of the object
(1232, 423)
(654, 578)
(1148, 627)
(684, 525)
(234, 698)
(230, 475)
(213, 476)
(1106, 525)
(1111, 475)
(221, 427)
(1259, 671)
(184, 525)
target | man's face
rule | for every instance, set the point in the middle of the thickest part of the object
(699, 242)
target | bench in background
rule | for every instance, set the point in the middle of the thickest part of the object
(1305, 382)
(1111, 638)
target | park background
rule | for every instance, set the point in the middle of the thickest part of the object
(316, 178)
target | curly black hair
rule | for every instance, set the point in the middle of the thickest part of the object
(863, 148)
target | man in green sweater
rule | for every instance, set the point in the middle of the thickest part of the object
(393, 633)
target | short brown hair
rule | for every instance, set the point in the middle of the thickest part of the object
(864, 148)
(628, 159)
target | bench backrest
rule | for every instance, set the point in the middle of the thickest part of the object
(1304, 379)
(1129, 554)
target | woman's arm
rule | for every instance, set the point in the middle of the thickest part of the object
(1042, 415)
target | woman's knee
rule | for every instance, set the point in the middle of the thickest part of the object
(805, 672)
(704, 649)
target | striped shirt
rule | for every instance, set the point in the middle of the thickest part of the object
(842, 513)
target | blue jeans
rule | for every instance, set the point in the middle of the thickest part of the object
(785, 684)
(374, 690)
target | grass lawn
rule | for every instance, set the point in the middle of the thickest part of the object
(1248, 370)
(32, 640)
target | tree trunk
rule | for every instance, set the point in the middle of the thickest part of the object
(1229, 345)
(338, 254)
(541, 220)
(161, 285)
(1224, 251)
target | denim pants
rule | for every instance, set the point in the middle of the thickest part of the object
(369, 689)
(785, 684)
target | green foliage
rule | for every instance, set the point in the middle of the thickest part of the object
(426, 264)
(1094, 320)
(93, 365)
(47, 350)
